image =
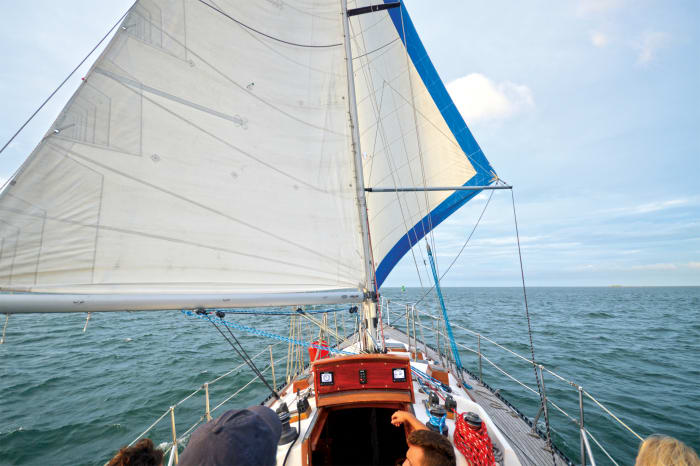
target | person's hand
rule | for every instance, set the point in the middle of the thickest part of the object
(399, 417)
(407, 419)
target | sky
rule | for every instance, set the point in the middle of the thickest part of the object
(589, 108)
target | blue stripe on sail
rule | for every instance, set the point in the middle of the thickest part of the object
(484, 172)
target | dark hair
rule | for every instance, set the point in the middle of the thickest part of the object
(143, 453)
(437, 449)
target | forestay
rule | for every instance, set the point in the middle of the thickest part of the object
(411, 134)
(207, 151)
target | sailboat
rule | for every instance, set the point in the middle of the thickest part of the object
(231, 154)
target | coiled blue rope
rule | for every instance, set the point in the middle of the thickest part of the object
(438, 422)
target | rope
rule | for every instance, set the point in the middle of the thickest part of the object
(375, 50)
(243, 354)
(263, 333)
(293, 341)
(461, 250)
(474, 444)
(387, 150)
(612, 415)
(430, 235)
(453, 344)
(529, 328)
(438, 422)
(4, 329)
(275, 313)
(267, 35)
(65, 80)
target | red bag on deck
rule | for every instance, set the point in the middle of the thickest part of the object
(316, 353)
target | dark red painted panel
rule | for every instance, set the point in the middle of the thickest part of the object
(346, 373)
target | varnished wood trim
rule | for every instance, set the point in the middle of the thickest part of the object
(365, 396)
(359, 357)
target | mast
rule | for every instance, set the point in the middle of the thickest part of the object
(369, 306)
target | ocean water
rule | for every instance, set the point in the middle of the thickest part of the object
(72, 398)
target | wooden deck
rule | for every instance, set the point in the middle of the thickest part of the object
(530, 448)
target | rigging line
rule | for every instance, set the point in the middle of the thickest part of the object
(250, 363)
(453, 140)
(378, 111)
(157, 237)
(381, 131)
(529, 324)
(415, 120)
(276, 313)
(323, 327)
(67, 78)
(420, 152)
(413, 182)
(267, 35)
(201, 206)
(239, 86)
(248, 358)
(375, 50)
(460, 251)
(138, 88)
(4, 329)
(286, 57)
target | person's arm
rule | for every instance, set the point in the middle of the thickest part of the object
(408, 419)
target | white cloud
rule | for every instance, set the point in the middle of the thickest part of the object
(665, 266)
(480, 99)
(649, 207)
(599, 39)
(508, 240)
(694, 265)
(649, 45)
(587, 7)
(656, 206)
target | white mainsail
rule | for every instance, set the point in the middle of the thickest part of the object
(411, 133)
(207, 151)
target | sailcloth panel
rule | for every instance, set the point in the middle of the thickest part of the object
(411, 136)
(207, 150)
